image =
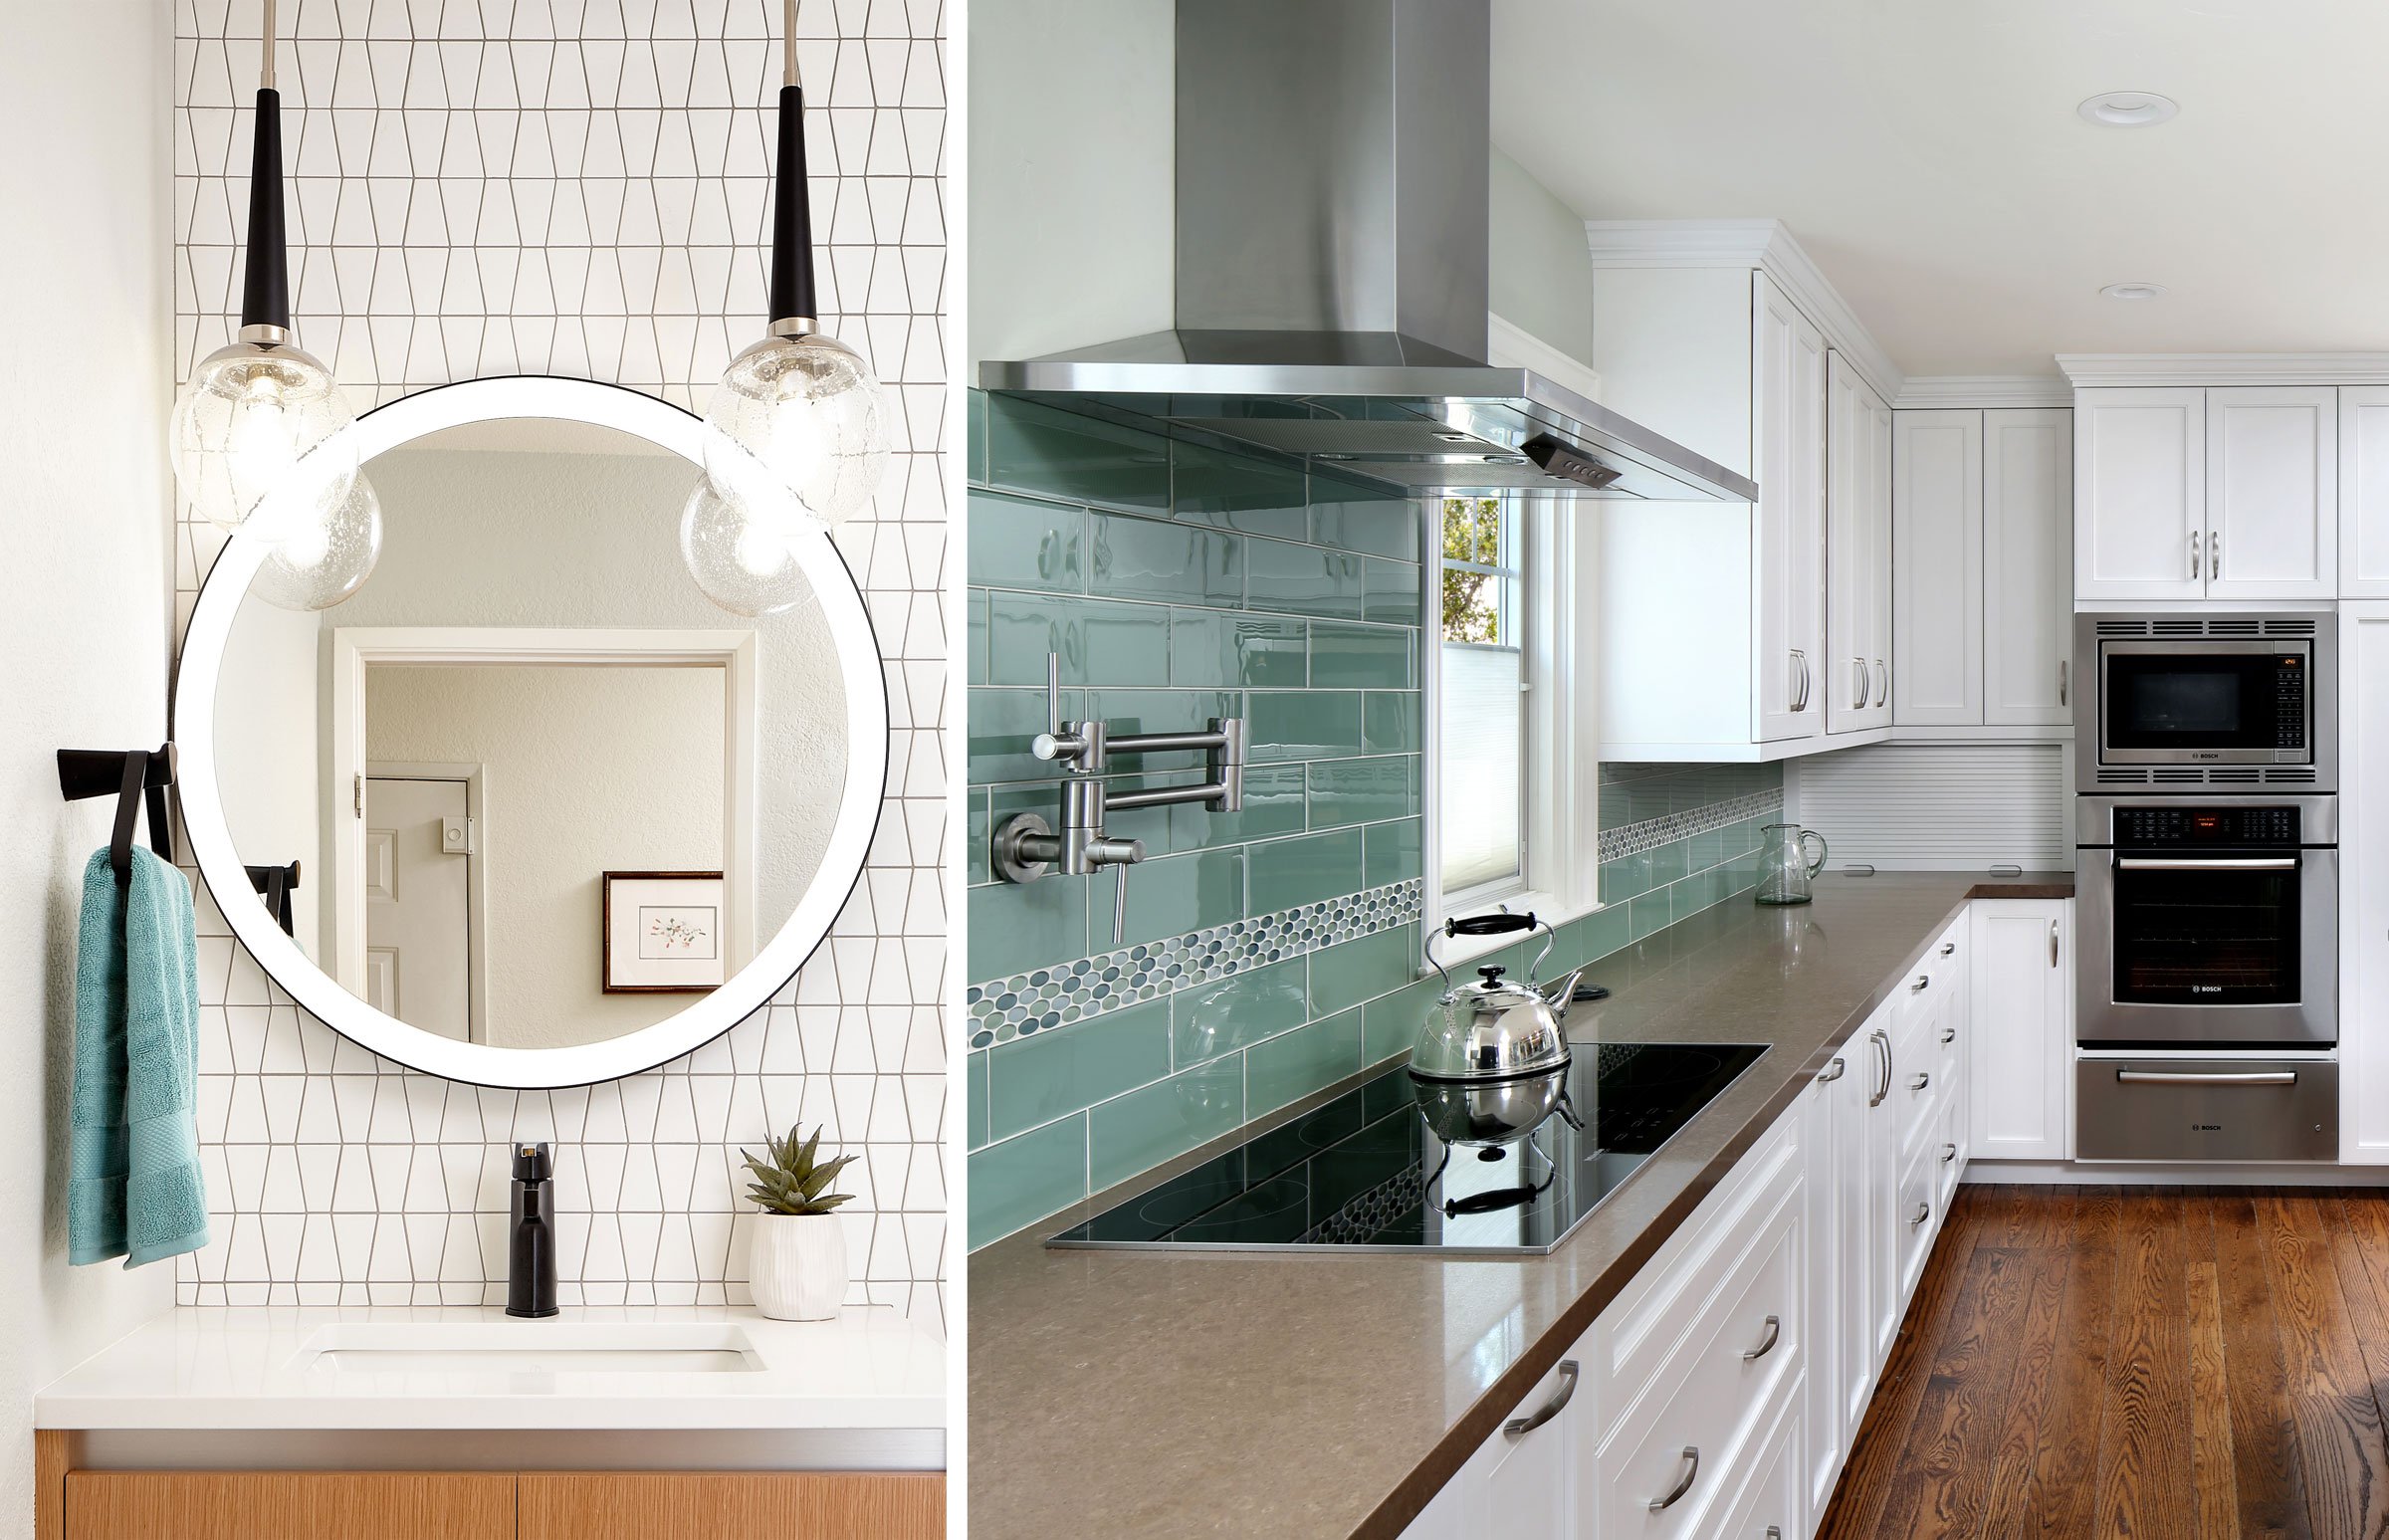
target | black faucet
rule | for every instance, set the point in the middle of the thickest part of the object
(530, 1248)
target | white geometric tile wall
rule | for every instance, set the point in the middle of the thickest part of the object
(580, 187)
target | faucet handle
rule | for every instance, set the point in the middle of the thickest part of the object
(1123, 855)
(1073, 742)
(531, 1163)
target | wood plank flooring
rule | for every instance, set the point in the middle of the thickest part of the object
(2181, 1364)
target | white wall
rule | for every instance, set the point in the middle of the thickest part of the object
(586, 771)
(1070, 154)
(1539, 277)
(84, 610)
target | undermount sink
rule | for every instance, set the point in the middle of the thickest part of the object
(529, 1347)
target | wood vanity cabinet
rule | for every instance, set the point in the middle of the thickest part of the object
(480, 1505)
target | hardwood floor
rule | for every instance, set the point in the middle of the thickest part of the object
(2179, 1364)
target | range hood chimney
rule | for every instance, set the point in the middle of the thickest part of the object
(1332, 192)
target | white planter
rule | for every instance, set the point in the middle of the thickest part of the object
(797, 1265)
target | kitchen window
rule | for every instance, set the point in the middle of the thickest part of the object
(1513, 790)
(1480, 731)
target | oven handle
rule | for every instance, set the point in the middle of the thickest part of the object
(2220, 1077)
(2262, 863)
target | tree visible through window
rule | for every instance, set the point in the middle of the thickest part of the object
(1478, 573)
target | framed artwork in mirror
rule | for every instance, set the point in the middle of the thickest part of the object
(530, 696)
(662, 932)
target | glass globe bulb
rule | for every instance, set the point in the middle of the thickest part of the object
(808, 410)
(322, 561)
(247, 420)
(741, 565)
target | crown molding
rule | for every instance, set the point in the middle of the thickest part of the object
(2111, 370)
(1764, 244)
(1928, 392)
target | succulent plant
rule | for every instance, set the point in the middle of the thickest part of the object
(789, 1181)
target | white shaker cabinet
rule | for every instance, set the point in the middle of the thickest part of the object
(1520, 1485)
(2139, 494)
(2019, 1071)
(1788, 396)
(1842, 1239)
(2272, 499)
(2028, 567)
(1856, 675)
(1937, 569)
(2365, 491)
(2364, 885)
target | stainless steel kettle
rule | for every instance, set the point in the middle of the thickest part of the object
(1493, 1028)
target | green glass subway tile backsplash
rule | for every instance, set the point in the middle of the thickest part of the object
(1266, 952)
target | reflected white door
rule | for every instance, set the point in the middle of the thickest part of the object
(419, 909)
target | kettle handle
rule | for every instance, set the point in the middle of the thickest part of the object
(1818, 864)
(1499, 924)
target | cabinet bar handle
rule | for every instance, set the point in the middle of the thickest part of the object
(1923, 981)
(1882, 1044)
(1923, 1079)
(1949, 1035)
(2193, 561)
(2215, 554)
(1833, 1072)
(1948, 947)
(1923, 1212)
(1520, 1427)
(1883, 687)
(1691, 1459)
(1948, 1153)
(1775, 1333)
(2052, 943)
(1859, 675)
(2060, 681)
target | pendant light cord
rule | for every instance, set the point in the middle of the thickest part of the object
(788, 75)
(264, 69)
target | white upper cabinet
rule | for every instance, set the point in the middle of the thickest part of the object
(1937, 553)
(1788, 657)
(1857, 552)
(2223, 492)
(2028, 567)
(2273, 473)
(2139, 494)
(2365, 491)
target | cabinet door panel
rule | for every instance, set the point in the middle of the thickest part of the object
(2028, 567)
(653, 1505)
(1789, 357)
(2019, 1072)
(2272, 471)
(2365, 491)
(1936, 566)
(1849, 685)
(1879, 553)
(2364, 886)
(2139, 494)
(287, 1505)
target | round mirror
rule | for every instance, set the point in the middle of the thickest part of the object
(527, 808)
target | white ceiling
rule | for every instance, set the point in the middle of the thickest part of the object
(1927, 155)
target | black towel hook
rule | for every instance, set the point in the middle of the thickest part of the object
(274, 885)
(135, 776)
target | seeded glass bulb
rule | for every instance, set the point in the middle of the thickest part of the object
(249, 419)
(324, 559)
(739, 562)
(809, 410)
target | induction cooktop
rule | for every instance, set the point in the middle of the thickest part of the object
(1367, 1173)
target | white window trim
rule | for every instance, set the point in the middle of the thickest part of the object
(1563, 736)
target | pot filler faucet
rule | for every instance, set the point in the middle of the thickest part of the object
(1026, 846)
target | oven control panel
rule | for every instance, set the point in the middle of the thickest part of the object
(2194, 825)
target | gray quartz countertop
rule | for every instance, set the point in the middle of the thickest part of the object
(1316, 1397)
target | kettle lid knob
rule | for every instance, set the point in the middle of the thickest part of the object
(1491, 972)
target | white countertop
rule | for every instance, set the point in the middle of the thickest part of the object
(236, 1367)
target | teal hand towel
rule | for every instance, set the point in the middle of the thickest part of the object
(134, 1187)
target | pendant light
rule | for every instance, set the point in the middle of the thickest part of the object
(801, 404)
(261, 411)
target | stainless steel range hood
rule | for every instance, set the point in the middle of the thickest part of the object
(1331, 275)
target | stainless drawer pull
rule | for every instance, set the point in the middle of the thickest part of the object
(2219, 1077)
(1923, 1212)
(1775, 1532)
(1923, 981)
(1520, 1427)
(1920, 1082)
(2252, 863)
(1948, 1153)
(1948, 947)
(1775, 1332)
(2052, 943)
(1691, 1475)
(1833, 1072)
(1882, 1043)
(1949, 1035)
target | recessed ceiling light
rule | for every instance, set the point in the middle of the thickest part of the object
(2127, 109)
(2135, 291)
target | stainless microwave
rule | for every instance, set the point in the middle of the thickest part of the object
(2200, 702)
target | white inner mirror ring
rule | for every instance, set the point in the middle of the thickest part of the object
(774, 962)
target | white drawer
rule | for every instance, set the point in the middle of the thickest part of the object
(1769, 1505)
(1947, 1149)
(1708, 1394)
(1917, 1215)
(1654, 1310)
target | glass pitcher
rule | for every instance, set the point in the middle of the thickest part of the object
(1784, 866)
